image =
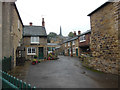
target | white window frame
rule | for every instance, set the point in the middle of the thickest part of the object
(82, 38)
(34, 40)
(31, 53)
(73, 50)
(73, 42)
(68, 43)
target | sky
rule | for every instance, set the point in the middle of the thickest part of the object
(71, 15)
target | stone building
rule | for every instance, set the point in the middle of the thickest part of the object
(104, 37)
(35, 41)
(12, 27)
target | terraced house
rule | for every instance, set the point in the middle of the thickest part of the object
(71, 46)
(35, 41)
(12, 27)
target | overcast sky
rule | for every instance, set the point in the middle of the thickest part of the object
(71, 15)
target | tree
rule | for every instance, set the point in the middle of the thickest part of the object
(50, 36)
(71, 34)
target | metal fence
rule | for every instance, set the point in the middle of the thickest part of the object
(6, 64)
(9, 81)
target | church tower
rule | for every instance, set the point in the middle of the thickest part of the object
(60, 31)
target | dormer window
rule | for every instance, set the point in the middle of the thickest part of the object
(82, 38)
(34, 40)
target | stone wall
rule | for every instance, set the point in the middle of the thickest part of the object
(11, 36)
(104, 38)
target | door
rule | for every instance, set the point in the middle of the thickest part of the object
(76, 52)
(41, 54)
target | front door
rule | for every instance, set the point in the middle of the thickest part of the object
(76, 52)
(41, 54)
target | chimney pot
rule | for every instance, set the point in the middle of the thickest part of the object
(79, 32)
(74, 33)
(43, 22)
(30, 23)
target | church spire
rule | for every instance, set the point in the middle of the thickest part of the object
(60, 31)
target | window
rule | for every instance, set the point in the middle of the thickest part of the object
(35, 40)
(82, 38)
(31, 51)
(65, 44)
(73, 50)
(73, 42)
(65, 50)
(68, 43)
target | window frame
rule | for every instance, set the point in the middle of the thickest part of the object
(68, 43)
(73, 42)
(74, 51)
(82, 38)
(31, 51)
(34, 40)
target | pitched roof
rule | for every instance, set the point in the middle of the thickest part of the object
(18, 14)
(34, 31)
(98, 8)
(84, 33)
(74, 38)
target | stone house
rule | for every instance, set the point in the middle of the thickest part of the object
(71, 46)
(84, 42)
(12, 27)
(68, 46)
(74, 46)
(104, 37)
(35, 41)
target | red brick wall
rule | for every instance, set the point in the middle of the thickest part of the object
(87, 42)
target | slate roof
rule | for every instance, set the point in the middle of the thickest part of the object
(34, 31)
(74, 38)
(88, 31)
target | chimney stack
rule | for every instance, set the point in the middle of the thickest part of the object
(74, 33)
(30, 23)
(79, 32)
(43, 22)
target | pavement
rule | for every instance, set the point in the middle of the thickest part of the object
(67, 72)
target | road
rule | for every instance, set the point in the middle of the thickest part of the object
(67, 72)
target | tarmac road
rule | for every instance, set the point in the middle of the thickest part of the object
(67, 72)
